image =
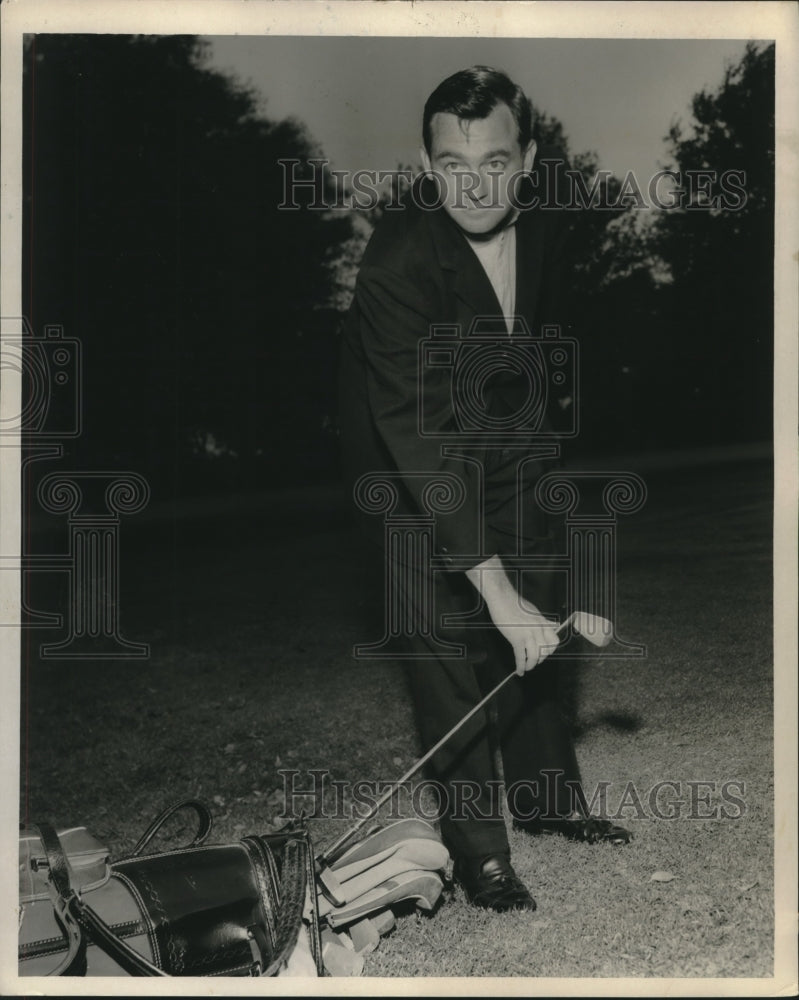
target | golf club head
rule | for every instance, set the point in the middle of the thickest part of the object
(593, 628)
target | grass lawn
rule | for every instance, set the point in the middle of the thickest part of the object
(251, 619)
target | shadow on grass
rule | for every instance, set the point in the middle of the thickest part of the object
(624, 722)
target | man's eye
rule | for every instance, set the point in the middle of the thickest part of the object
(497, 165)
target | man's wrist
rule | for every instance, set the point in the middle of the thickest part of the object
(489, 578)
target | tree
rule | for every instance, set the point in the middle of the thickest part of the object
(611, 292)
(152, 187)
(717, 248)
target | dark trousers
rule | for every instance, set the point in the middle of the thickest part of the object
(539, 765)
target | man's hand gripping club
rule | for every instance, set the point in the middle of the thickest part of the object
(532, 636)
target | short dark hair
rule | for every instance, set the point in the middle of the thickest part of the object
(474, 93)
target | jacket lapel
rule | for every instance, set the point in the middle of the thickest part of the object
(472, 285)
(529, 261)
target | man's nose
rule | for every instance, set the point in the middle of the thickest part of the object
(484, 190)
(480, 188)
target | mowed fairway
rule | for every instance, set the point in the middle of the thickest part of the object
(251, 615)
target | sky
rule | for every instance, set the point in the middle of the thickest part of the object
(361, 98)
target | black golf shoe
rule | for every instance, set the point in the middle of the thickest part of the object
(588, 829)
(492, 883)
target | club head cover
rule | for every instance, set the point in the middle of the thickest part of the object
(383, 841)
(339, 956)
(424, 887)
(427, 855)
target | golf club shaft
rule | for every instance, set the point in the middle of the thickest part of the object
(330, 855)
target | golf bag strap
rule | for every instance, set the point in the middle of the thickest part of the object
(314, 931)
(57, 863)
(60, 885)
(203, 829)
(101, 934)
(293, 883)
(77, 917)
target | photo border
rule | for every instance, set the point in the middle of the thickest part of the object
(736, 20)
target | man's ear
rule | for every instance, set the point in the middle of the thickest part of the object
(528, 156)
(425, 161)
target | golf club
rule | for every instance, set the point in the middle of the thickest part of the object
(598, 631)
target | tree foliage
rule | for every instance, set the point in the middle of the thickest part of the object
(678, 325)
(154, 236)
(718, 251)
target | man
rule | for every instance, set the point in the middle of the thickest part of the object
(479, 238)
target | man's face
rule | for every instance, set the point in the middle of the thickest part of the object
(475, 163)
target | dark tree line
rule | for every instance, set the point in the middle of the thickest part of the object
(153, 235)
(674, 307)
(719, 303)
(209, 317)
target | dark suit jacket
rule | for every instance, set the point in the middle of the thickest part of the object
(419, 270)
